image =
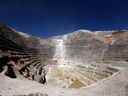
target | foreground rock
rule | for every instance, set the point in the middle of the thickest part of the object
(116, 85)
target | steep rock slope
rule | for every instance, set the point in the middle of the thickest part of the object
(83, 45)
(20, 38)
(24, 53)
(87, 46)
(118, 49)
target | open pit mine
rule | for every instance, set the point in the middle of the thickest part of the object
(81, 63)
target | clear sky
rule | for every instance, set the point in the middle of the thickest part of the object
(46, 18)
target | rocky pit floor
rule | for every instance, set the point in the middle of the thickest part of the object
(77, 76)
(114, 85)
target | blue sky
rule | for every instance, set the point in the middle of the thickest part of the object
(46, 18)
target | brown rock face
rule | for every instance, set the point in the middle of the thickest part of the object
(118, 49)
(89, 46)
(22, 55)
(83, 46)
